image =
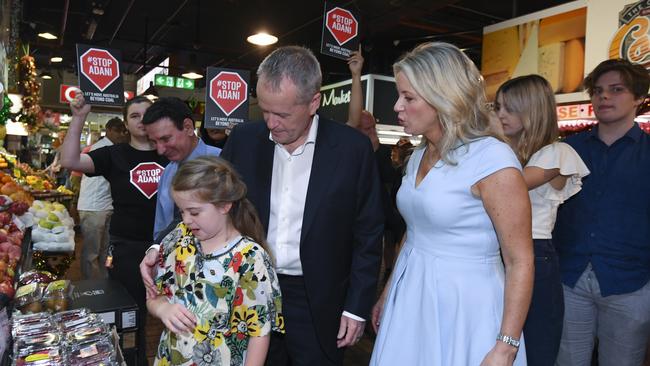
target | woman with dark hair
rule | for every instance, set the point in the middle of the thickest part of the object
(133, 170)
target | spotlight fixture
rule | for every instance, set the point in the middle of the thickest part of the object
(151, 93)
(46, 75)
(47, 35)
(56, 59)
(262, 39)
(192, 75)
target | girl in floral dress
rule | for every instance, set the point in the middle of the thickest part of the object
(219, 296)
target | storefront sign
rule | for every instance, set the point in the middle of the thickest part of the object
(226, 101)
(632, 39)
(100, 77)
(145, 177)
(575, 111)
(340, 32)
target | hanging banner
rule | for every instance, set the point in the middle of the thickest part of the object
(100, 77)
(632, 39)
(226, 97)
(340, 32)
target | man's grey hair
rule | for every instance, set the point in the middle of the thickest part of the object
(297, 64)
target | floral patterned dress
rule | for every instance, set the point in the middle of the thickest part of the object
(233, 292)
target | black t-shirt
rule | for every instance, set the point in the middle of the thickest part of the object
(133, 176)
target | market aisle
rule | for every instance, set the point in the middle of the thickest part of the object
(358, 355)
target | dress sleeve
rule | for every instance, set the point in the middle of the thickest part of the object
(167, 265)
(494, 155)
(257, 299)
(102, 159)
(563, 157)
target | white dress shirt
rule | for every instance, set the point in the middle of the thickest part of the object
(289, 183)
(95, 192)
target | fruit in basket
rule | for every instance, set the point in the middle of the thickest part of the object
(9, 188)
(5, 218)
(7, 289)
(45, 224)
(18, 208)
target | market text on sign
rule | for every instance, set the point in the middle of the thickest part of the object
(229, 89)
(341, 23)
(100, 66)
(148, 176)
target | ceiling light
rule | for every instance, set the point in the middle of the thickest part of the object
(46, 75)
(151, 93)
(262, 39)
(47, 35)
(192, 75)
(56, 59)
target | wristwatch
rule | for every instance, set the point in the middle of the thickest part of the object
(508, 340)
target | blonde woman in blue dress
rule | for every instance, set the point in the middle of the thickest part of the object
(450, 301)
(553, 173)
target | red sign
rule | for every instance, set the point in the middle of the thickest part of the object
(128, 95)
(67, 93)
(342, 24)
(145, 177)
(575, 111)
(228, 91)
(100, 67)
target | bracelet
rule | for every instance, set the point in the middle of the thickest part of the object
(508, 340)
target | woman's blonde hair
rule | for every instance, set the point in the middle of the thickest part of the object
(215, 181)
(531, 99)
(450, 82)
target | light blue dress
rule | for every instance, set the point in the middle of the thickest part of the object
(445, 301)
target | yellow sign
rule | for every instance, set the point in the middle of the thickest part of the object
(632, 39)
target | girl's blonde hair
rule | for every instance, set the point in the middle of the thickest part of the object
(531, 99)
(215, 181)
(450, 82)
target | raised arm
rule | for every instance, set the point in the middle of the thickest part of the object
(355, 62)
(71, 156)
(505, 197)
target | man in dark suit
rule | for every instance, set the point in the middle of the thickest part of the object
(316, 188)
(315, 185)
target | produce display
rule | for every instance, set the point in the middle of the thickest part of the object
(53, 227)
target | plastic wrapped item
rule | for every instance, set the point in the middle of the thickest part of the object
(74, 323)
(58, 295)
(90, 333)
(37, 341)
(32, 326)
(28, 298)
(65, 317)
(45, 356)
(35, 276)
(100, 352)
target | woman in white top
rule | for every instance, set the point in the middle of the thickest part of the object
(553, 172)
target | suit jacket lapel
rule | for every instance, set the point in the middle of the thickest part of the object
(322, 170)
(264, 174)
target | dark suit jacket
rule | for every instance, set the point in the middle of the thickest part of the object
(340, 244)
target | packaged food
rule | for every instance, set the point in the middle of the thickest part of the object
(87, 321)
(58, 295)
(37, 341)
(45, 356)
(28, 298)
(94, 332)
(35, 276)
(99, 352)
